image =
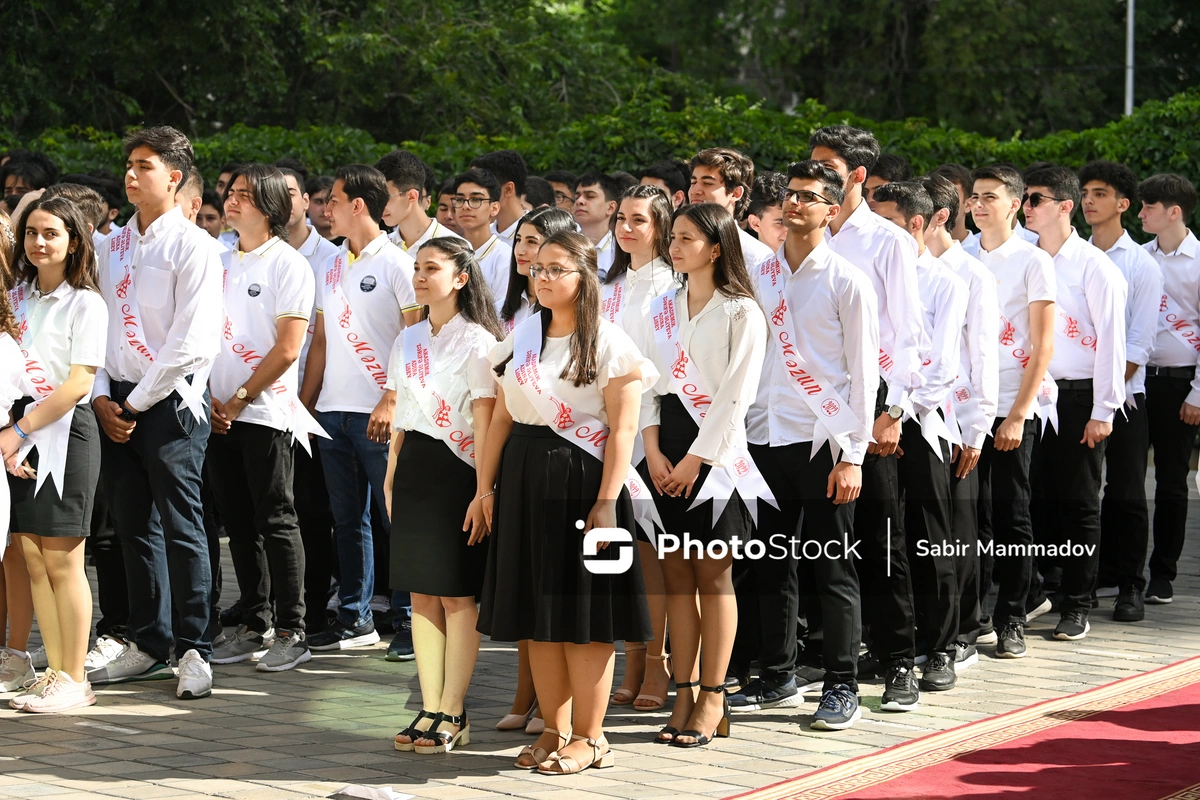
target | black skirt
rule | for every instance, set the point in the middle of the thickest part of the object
(536, 585)
(431, 491)
(44, 513)
(676, 432)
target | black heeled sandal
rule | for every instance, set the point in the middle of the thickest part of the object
(413, 732)
(446, 741)
(671, 729)
(722, 729)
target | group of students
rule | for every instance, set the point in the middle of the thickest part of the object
(831, 432)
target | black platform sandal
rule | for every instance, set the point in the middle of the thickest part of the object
(446, 741)
(671, 729)
(413, 733)
(721, 730)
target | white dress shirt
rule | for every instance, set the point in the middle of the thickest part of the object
(378, 286)
(508, 234)
(436, 230)
(66, 326)
(460, 374)
(979, 361)
(944, 304)
(1145, 282)
(886, 254)
(269, 283)
(971, 243)
(495, 261)
(98, 240)
(616, 356)
(1024, 274)
(523, 311)
(641, 287)
(833, 306)
(1181, 281)
(605, 252)
(177, 282)
(317, 250)
(753, 251)
(726, 342)
(1089, 284)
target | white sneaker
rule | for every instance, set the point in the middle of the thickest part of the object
(39, 658)
(61, 694)
(32, 689)
(16, 669)
(106, 650)
(131, 664)
(195, 677)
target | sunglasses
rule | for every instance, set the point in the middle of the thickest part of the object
(1035, 199)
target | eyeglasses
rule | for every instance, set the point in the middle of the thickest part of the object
(803, 197)
(1035, 199)
(469, 202)
(552, 272)
(562, 197)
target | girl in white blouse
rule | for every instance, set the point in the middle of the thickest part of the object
(532, 230)
(708, 341)
(561, 442)
(640, 272)
(63, 323)
(445, 394)
(16, 668)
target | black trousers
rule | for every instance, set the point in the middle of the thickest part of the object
(1006, 474)
(964, 504)
(925, 479)
(1173, 441)
(1066, 494)
(251, 471)
(799, 485)
(104, 548)
(316, 531)
(983, 528)
(1124, 516)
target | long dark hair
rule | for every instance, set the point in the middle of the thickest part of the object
(80, 271)
(583, 365)
(269, 193)
(8, 245)
(660, 218)
(474, 299)
(546, 221)
(717, 227)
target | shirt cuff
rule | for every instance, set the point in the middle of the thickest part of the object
(1136, 355)
(101, 386)
(856, 453)
(896, 394)
(139, 399)
(1193, 398)
(1103, 413)
(976, 437)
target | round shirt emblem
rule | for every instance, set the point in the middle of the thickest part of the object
(254, 290)
(368, 284)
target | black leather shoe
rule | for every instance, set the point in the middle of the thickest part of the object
(939, 675)
(1129, 606)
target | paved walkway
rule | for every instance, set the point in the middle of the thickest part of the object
(308, 732)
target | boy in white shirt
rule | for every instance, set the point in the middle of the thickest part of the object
(1108, 190)
(596, 199)
(670, 176)
(563, 183)
(724, 176)
(1172, 385)
(510, 170)
(405, 211)
(1089, 368)
(476, 203)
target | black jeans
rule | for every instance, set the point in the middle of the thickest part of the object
(1124, 516)
(1007, 475)
(925, 478)
(964, 500)
(1066, 494)
(1173, 441)
(799, 485)
(153, 484)
(104, 548)
(316, 531)
(251, 470)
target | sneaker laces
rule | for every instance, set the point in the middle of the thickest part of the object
(899, 678)
(838, 700)
(937, 660)
(43, 684)
(192, 667)
(281, 645)
(1077, 616)
(108, 647)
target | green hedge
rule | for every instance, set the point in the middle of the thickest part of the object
(1158, 137)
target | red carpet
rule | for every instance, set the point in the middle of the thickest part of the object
(1134, 739)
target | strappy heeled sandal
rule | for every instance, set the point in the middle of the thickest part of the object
(671, 730)
(445, 741)
(558, 764)
(722, 728)
(537, 755)
(659, 702)
(412, 732)
(623, 696)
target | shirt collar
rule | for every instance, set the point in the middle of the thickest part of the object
(926, 260)
(373, 246)
(1071, 247)
(60, 291)
(863, 215)
(309, 246)
(819, 257)
(1125, 242)
(507, 233)
(605, 243)
(161, 225)
(648, 272)
(1188, 247)
(456, 323)
(262, 249)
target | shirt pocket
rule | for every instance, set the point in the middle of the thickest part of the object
(154, 287)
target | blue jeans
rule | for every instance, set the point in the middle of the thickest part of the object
(153, 485)
(348, 457)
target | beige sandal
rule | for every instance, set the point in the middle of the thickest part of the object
(538, 754)
(623, 696)
(558, 764)
(659, 702)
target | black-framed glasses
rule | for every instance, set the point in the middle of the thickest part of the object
(553, 272)
(469, 202)
(1035, 199)
(803, 197)
(563, 197)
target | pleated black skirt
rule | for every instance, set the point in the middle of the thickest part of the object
(431, 491)
(44, 513)
(536, 585)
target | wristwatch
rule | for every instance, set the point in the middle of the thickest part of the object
(242, 394)
(127, 415)
(895, 412)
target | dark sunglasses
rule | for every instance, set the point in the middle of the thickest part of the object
(1036, 199)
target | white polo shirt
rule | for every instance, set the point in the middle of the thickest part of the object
(1181, 281)
(495, 261)
(436, 230)
(1145, 281)
(378, 287)
(508, 234)
(263, 286)
(66, 326)
(317, 250)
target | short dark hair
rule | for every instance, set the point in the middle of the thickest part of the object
(317, 184)
(1170, 190)
(1008, 175)
(891, 168)
(232, 166)
(481, 178)
(672, 173)
(538, 192)
(211, 198)
(858, 148)
(942, 193)
(87, 199)
(910, 198)
(109, 191)
(735, 170)
(768, 191)
(404, 170)
(507, 166)
(1035, 166)
(1118, 176)
(363, 180)
(194, 182)
(831, 183)
(446, 188)
(113, 190)
(269, 193)
(956, 174)
(295, 165)
(626, 180)
(35, 175)
(561, 176)
(168, 143)
(288, 171)
(1061, 182)
(611, 189)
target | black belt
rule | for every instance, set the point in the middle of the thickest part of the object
(1082, 385)
(1187, 373)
